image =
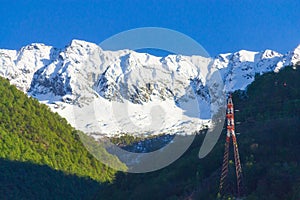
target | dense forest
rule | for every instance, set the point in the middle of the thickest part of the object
(269, 144)
(33, 141)
(41, 155)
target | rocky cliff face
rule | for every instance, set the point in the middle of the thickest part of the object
(82, 73)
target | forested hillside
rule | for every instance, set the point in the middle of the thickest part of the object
(38, 139)
(34, 142)
(269, 144)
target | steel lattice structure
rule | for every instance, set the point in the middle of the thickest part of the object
(231, 134)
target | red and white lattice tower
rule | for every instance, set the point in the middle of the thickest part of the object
(231, 134)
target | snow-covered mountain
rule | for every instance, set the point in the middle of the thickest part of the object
(113, 92)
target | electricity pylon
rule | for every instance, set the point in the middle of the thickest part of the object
(238, 168)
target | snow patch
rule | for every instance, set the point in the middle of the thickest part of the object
(112, 92)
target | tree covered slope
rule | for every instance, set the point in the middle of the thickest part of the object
(30, 132)
(269, 144)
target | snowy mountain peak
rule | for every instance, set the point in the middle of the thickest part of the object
(224, 57)
(35, 47)
(83, 77)
(295, 56)
(244, 55)
(290, 59)
(80, 48)
(270, 54)
(81, 43)
(297, 48)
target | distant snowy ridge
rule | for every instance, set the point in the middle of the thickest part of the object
(113, 92)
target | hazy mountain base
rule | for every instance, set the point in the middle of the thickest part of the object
(269, 144)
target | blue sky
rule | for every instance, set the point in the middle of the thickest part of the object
(219, 26)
